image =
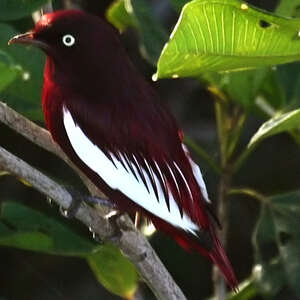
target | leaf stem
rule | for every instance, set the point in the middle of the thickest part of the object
(223, 125)
(242, 157)
(249, 192)
(203, 154)
(222, 129)
(224, 185)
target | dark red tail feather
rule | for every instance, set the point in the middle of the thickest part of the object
(218, 256)
(215, 252)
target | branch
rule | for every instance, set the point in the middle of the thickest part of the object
(57, 193)
(132, 243)
(224, 185)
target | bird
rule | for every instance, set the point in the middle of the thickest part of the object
(112, 125)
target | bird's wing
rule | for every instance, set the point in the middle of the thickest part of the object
(161, 188)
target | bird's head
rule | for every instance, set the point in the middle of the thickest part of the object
(76, 42)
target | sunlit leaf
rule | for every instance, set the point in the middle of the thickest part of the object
(277, 124)
(15, 9)
(114, 271)
(224, 35)
(4, 173)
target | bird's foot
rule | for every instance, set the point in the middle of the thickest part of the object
(113, 218)
(78, 199)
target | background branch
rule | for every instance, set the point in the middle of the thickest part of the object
(132, 243)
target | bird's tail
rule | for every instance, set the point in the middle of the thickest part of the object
(206, 243)
(218, 256)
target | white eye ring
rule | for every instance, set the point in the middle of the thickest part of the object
(68, 40)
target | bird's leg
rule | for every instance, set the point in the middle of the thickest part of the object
(113, 217)
(99, 201)
(137, 220)
(78, 199)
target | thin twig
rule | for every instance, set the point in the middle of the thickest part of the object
(219, 282)
(250, 193)
(203, 154)
(132, 243)
(221, 109)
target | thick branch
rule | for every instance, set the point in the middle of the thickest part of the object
(132, 243)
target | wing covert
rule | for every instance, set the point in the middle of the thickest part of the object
(140, 179)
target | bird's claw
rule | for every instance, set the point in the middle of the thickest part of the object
(78, 199)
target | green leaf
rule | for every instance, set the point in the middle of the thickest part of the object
(8, 71)
(16, 9)
(114, 271)
(246, 290)
(152, 33)
(242, 87)
(139, 14)
(24, 228)
(226, 35)
(287, 224)
(278, 229)
(287, 8)
(289, 77)
(268, 274)
(31, 230)
(24, 93)
(178, 4)
(119, 17)
(277, 124)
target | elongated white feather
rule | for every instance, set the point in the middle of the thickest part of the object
(186, 184)
(197, 174)
(116, 177)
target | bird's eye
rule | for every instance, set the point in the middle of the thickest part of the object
(68, 40)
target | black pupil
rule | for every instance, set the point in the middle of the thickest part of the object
(68, 40)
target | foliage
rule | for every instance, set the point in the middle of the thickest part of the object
(24, 228)
(227, 35)
(211, 39)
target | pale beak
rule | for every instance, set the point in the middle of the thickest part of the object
(28, 39)
(25, 38)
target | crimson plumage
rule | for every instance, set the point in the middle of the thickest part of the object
(109, 122)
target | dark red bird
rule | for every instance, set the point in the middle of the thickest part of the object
(109, 122)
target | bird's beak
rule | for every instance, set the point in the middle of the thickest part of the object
(28, 39)
(25, 38)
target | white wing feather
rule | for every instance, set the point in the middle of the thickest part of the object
(117, 177)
